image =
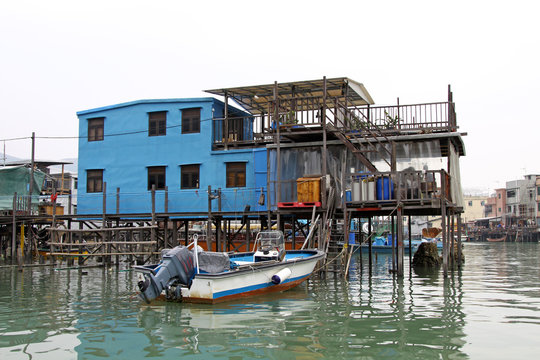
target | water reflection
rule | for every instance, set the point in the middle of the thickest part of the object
(476, 312)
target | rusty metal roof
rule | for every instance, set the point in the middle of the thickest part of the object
(255, 98)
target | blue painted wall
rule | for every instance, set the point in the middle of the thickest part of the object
(127, 151)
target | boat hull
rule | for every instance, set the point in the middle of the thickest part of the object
(251, 280)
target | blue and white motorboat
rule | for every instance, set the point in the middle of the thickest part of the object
(211, 277)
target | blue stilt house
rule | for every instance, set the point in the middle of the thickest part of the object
(167, 144)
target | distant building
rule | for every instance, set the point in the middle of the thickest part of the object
(523, 201)
(473, 208)
(496, 206)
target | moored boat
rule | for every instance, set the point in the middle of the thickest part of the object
(211, 277)
(497, 239)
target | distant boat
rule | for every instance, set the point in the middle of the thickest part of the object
(497, 239)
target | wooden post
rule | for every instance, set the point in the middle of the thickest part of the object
(370, 241)
(394, 243)
(410, 243)
(153, 223)
(226, 121)
(459, 239)
(174, 235)
(80, 259)
(452, 240)
(323, 167)
(166, 205)
(278, 152)
(219, 234)
(70, 203)
(186, 232)
(31, 183)
(293, 228)
(400, 251)
(54, 233)
(268, 207)
(209, 221)
(14, 229)
(443, 224)
(104, 235)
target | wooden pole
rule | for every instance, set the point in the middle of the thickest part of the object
(459, 239)
(323, 167)
(153, 222)
(452, 240)
(14, 229)
(443, 225)
(400, 252)
(370, 241)
(186, 232)
(410, 243)
(278, 151)
(394, 243)
(209, 221)
(31, 183)
(166, 204)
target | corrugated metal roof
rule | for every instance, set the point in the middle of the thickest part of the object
(255, 98)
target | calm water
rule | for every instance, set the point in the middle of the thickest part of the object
(491, 310)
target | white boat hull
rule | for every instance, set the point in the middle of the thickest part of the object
(249, 280)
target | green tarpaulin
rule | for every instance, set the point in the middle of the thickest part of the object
(15, 179)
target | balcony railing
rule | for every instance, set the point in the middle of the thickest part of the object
(306, 114)
(410, 186)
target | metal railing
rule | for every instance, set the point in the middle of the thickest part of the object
(306, 113)
(398, 186)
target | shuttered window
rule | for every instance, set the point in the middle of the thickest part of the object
(156, 176)
(94, 181)
(157, 123)
(189, 177)
(236, 174)
(191, 121)
(95, 129)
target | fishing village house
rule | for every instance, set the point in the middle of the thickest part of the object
(523, 201)
(297, 153)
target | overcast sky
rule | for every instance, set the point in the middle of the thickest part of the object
(60, 57)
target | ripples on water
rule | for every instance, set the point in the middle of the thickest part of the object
(489, 310)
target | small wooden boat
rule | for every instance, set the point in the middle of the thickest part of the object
(211, 277)
(497, 239)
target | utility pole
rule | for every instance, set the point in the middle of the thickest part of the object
(31, 183)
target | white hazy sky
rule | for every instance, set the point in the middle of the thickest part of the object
(59, 57)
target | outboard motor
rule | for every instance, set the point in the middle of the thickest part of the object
(176, 268)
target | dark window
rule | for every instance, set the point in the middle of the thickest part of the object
(157, 123)
(95, 129)
(510, 193)
(236, 174)
(499, 195)
(191, 121)
(94, 181)
(156, 176)
(190, 177)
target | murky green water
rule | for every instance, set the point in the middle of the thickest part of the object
(490, 310)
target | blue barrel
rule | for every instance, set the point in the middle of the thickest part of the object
(352, 238)
(388, 186)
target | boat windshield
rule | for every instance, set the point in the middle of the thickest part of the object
(271, 240)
